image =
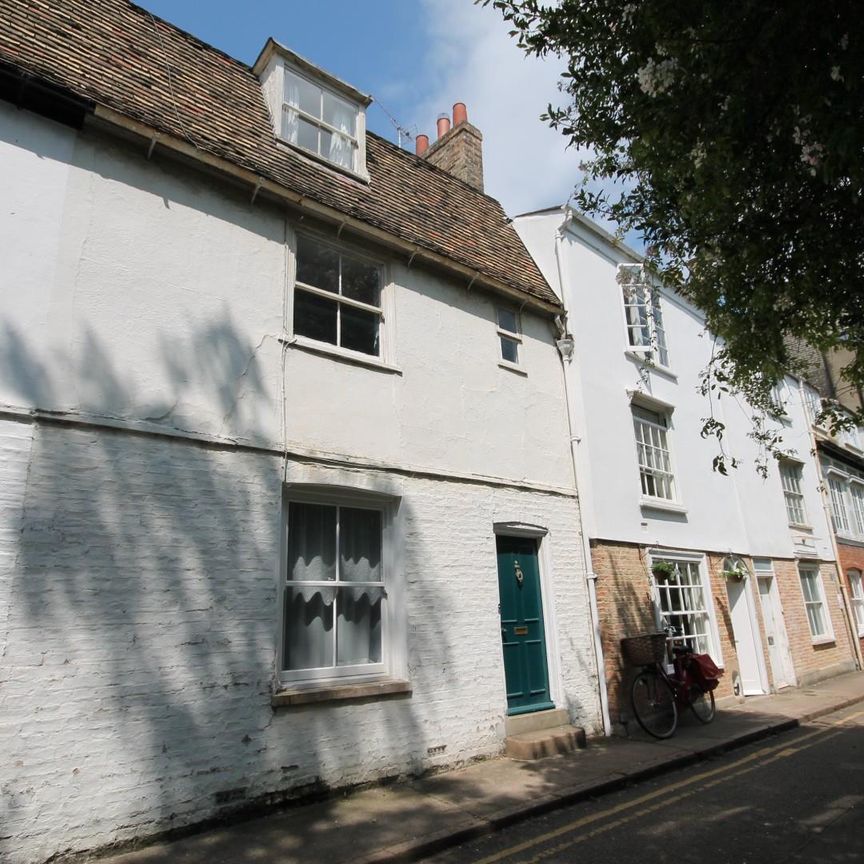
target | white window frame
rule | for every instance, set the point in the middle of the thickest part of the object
(856, 500)
(512, 337)
(392, 636)
(657, 442)
(781, 396)
(856, 591)
(641, 300)
(384, 311)
(837, 492)
(813, 402)
(711, 634)
(856, 595)
(793, 497)
(319, 122)
(827, 635)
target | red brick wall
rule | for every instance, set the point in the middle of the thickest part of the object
(625, 608)
(810, 660)
(851, 558)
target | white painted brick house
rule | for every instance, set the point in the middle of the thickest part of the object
(650, 494)
(276, 400)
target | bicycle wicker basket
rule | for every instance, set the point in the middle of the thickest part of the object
(644, 649)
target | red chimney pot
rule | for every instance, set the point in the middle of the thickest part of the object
(460, 113)
(443, 125)
(421, 143)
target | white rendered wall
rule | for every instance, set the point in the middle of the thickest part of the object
(739, 512)
(138, 573)
(135, 686)
(158, 297)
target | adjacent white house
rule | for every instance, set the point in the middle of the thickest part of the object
(650, 493)
(287, 495)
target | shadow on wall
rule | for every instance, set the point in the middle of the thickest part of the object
(626, 609)
(142, 622)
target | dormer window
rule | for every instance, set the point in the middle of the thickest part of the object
(317, 120)
(313, 111)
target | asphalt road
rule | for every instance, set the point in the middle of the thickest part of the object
(795, 797)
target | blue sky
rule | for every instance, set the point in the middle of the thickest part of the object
(416, 58)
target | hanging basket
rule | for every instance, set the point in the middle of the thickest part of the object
(644, 649)
(663, 571)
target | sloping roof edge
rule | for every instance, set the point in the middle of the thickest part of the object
(155, 94)
(330, 214)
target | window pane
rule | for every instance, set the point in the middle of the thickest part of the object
(509, 350)
(359, 545)
(650, 416)
(361, 281)
(311, 542)
(814, 619)
(302, 93)
(308, 631)
(683, 606)
(507, 320)
(315, 317)
(358, 637)
(307, 135)
(339, 114)
(317, 265)
(290, 120)
(338, 149)
(359, 330)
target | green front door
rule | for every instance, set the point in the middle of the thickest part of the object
(522, 635)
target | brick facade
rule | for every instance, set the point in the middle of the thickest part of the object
(626, 608)
(460, 153)
(139, 578)
(851, 558)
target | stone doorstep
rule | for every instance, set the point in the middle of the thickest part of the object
(541, 743)
(549, 719)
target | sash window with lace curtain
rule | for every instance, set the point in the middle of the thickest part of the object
(319, 121)
(333, 592)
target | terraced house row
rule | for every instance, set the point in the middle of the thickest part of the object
(316, 469)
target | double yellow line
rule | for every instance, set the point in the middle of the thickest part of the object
(648, 803)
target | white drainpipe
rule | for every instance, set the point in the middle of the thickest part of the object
(565, 351)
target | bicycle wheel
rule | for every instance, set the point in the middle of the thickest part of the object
(702, 703)
(653, 704)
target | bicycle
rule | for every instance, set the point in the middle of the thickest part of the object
(656, 696)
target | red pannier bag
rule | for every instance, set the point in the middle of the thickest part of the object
(705, 671)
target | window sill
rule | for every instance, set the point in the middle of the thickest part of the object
(333, 691)
(800, 526)
(648, 363)
(512, 367)
(848, 540)
(660, 504)
(321, 161)
(822, 640)
(342, 354)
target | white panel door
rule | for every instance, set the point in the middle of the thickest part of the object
(775, 633)
(747, 644)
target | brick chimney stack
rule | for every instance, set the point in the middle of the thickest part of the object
(458, 150)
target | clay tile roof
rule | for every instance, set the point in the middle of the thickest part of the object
(119, 56)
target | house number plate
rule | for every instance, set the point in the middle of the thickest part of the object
(520, 631)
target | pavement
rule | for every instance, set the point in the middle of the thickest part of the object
(410, 820)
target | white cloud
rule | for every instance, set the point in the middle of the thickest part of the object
(472, 59)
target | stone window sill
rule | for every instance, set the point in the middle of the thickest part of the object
(339, 692)
(662, 504)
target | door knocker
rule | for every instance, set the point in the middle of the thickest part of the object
(520, 576)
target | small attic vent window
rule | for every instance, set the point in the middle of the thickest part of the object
(316, 119)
